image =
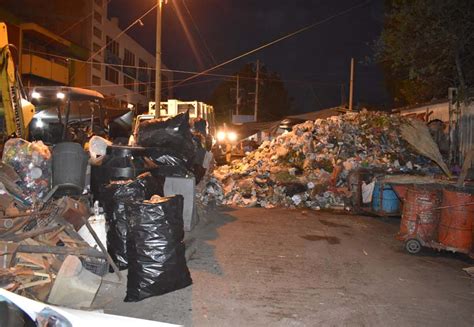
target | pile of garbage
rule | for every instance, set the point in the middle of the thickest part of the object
(310, 165)
(55, 242)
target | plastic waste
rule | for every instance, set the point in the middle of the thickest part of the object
(155, 246)
(98, 147)
(32, 162)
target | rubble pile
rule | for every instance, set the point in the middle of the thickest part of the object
(41, 246)
(310, 165)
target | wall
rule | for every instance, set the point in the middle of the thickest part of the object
(428, 112)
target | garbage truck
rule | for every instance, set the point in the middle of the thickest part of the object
(201, 115)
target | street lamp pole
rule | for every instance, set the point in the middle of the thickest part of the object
(158, 59)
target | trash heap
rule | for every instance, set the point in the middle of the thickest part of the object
(310, 165)
(55, 246)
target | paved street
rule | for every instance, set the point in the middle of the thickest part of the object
(258, 267)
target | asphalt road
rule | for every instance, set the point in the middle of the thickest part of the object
(260, 267)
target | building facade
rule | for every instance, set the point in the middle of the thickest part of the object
(75, 43)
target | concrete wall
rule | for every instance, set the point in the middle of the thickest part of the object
(429, 112)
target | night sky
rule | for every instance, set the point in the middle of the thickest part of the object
(313, 64)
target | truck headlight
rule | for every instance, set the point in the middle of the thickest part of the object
(221, 136)
(39, 123)
(232, 136)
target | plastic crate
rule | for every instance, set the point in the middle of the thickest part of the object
(97, 266)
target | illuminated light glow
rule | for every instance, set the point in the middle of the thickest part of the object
(39, 123)
(35, 95)
(221, 136)
(60, 95)
(232, 136)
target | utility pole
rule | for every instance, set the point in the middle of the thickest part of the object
(237, 95)
(351, 86)
(255, 114)
(158, 59)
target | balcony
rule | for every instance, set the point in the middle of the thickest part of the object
(41, 67)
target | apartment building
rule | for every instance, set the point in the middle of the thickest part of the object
(101, 57)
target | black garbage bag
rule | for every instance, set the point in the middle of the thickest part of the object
(173, 134)
(115, 195)
(157, 264)
(200, 153)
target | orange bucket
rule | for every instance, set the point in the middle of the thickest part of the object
(456, 226)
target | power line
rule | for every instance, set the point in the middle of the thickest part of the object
(199, 32)
(301, 30)
(116, 66)
(163, 88)
(123, 31)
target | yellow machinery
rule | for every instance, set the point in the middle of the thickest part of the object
(17, 112)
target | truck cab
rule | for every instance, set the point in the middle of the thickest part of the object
(66, 113)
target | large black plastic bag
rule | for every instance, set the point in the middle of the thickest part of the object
(170, 162)
(116, 193)
(157, 264)
(173, 134)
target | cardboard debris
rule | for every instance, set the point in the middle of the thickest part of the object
(309, 166)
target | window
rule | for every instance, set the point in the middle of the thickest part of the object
(142, 89)
(97, 32)
(129, 83)
(129, 63)
(96, 65)
(96, 80)
(111, 75)
(128, 58)
(152, 83)
(96, 48)
(143, 71)
(97, 16)
(112, 46)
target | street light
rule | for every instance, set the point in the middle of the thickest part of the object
(158, 58)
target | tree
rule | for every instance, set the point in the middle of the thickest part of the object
(273, 98)
(427, 46)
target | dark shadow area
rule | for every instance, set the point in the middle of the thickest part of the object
(204, 258)
(330, 239)
(332, 224)
(433, 253)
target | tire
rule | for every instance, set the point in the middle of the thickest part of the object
(413, 246)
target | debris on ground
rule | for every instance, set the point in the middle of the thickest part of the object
(53, 246)
(309, 166)
(469, 271)
(33, 249)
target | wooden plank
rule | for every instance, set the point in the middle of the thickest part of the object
(35, 259)
(35, 283)
(88, 252)
(31, 234)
